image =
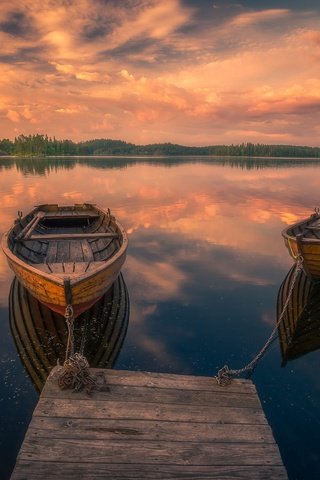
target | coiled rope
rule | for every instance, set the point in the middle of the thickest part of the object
(225, 374)
(75, 373)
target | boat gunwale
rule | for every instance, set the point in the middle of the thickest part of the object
(304, 239)
(59, 280)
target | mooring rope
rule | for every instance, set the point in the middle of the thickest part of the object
(75, 373)
(225, 374)
(68, 315)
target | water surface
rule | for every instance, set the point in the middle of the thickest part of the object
(205, 263)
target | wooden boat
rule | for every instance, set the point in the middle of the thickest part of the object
(303, 238)
(41, 335)
(299, 330)
(66, 254)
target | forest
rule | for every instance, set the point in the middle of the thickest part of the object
(43, 145)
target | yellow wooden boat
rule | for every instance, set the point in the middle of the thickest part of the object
(66, 255)
(303, 239)
(299, 330)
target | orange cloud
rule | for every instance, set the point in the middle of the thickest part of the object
(253, 18)
(149, 72)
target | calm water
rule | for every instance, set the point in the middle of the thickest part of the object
(205, 262)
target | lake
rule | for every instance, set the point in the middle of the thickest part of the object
(205, 262)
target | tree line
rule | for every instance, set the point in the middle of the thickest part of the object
(39, 145)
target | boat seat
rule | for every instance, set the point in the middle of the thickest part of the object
(69, 268)
(69, 236)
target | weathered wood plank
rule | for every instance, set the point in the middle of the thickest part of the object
(68, 267)
(63, 254)
(87, 251)
(156, 452)
(163, 396)
(170, 380)
(110, 429)
(76, 252)
(52, 252)
(70, 236)
(55, 267)
(81, 267)
(96, 471)
(43, 267)
(128, 410)
(71, 214)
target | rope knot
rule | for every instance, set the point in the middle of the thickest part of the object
(68, 314)
(224, 376)
(75, 375)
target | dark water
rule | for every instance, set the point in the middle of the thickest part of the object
(205, 263)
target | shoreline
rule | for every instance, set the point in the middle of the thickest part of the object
(106, 156)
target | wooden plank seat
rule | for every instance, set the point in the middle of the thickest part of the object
(69, 236)
(69, 268)
(315, 227)
(70, 214)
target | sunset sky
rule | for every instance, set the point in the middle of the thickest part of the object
(145, 71)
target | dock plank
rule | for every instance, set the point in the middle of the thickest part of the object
(168, 380)
(128, 410)
(110, 429)
(150, 426)
(150, 452)
(101, 471)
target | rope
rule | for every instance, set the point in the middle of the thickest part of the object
(75, 373)
(225, 374)
(70, 324)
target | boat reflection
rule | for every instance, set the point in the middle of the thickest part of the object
(299, 331)
(40, 334)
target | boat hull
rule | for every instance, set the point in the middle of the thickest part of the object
(310, 252)
(84, 292)
(302, 240)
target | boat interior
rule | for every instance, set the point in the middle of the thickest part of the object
(65, 240)
(309, 228)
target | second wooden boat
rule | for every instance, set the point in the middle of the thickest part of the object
(66, 255)
(303, 239)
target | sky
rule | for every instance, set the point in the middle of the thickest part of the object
(148, 71)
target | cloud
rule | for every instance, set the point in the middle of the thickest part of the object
(154, 281)
(13, 116)
(254, 18)
(15, 23)
(153, 72)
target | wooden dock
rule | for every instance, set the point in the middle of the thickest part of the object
(150, 426)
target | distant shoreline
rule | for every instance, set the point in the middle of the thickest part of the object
(38, 145)
(126, 156)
